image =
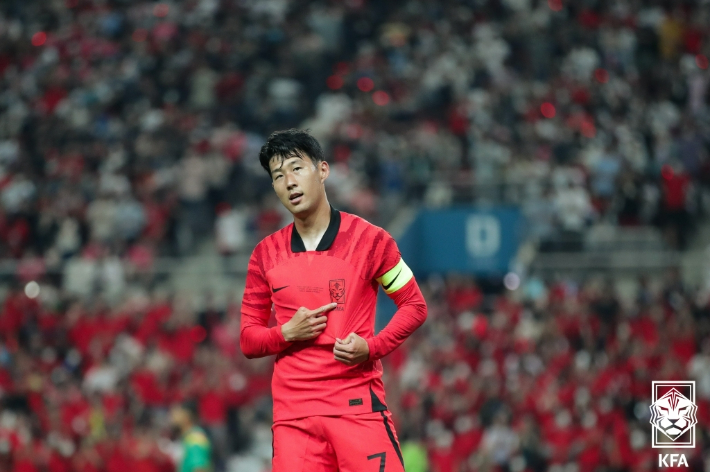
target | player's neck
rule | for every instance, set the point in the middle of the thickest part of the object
(312, 227)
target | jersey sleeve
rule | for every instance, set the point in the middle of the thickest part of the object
(387, 265)
(397, 280)
(256, 339)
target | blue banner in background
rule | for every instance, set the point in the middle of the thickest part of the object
(479, 241)
(467, 240)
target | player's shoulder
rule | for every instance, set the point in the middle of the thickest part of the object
(362, 228)
(276, 240)
(271, 250)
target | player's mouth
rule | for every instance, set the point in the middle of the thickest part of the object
(295, 198)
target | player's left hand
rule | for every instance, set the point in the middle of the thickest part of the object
(352, 350)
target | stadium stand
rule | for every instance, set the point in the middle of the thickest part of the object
(553, 374)
(126, 124)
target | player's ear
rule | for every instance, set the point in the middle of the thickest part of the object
(324, 170)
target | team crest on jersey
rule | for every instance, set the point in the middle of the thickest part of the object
(673, 414)
(337, 290)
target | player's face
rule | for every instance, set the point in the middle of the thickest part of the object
(298, 182)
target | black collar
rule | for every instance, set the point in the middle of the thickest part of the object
(328, 237)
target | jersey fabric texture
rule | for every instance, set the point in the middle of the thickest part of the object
(352, 259)
(326, 444)
(196, 451)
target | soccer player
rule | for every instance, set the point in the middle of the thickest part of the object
(321, 274)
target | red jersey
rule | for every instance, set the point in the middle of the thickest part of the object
(352, 259)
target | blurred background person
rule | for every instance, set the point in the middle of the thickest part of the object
(196, 447)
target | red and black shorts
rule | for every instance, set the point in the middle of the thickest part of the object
(350, 443)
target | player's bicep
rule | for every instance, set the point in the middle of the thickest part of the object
(396, 277)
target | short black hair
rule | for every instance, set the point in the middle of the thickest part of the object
(290, 143)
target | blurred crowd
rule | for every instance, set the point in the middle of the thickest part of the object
(129, 129)
(554, 376)
(88, 387)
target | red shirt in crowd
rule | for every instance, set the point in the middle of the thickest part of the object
(675, 188)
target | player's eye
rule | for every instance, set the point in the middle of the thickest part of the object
(296, 168)
(278, 177)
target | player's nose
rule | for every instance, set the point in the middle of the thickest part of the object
(290, 181)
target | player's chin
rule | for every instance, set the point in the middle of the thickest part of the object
(300, 205)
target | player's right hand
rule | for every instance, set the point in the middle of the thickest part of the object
(306, 324)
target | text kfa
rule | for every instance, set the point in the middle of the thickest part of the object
(671, 460)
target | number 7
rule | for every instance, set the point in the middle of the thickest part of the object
(382, 456)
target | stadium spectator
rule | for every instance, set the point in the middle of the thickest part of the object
(197, 447)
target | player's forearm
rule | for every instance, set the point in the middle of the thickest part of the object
(411, 314)
(260, 341)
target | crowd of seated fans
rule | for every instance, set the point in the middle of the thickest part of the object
(127, 127)
(553, 375)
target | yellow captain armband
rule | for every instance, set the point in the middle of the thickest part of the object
(396, 277)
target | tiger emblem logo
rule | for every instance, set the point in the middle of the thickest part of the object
(673, 414)
(337, 290)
